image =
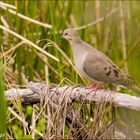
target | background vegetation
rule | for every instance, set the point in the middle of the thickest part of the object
(118, 36)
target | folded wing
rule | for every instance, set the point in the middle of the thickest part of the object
(101, 68)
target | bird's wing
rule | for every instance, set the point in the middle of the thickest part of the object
(101, 68)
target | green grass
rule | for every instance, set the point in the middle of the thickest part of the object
(2, 104)
(106, 36)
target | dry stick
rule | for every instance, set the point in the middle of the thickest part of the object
(28, 18)
(11, 49)
(34, 93)
(32, 127)
(46, 71)
(5, 34)
(33, 124)
(30, 43)
(4, 22)
(39, 133)
(46, 102)
(18, 117)
(2, 4)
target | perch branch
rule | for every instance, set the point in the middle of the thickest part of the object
(38, 91)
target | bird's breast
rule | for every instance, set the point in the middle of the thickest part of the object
(79, 63)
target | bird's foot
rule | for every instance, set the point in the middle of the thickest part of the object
(93, 87)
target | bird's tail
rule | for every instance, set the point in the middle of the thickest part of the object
(131, 84)
(135, 88)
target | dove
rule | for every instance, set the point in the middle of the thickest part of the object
(95, 66)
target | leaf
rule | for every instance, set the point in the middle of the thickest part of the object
(2, 104)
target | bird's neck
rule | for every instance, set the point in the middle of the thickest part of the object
(76, 41)
(76, 47)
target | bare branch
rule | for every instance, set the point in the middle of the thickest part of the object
(38, 91)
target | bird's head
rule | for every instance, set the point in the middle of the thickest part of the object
(70, 35)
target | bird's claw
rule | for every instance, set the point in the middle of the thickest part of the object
(92, 88)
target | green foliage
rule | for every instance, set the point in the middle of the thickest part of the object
(108, 34)
(26, 61)
(2, 104)
(18, 132)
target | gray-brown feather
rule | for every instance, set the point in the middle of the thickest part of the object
(93, 65)
(101, 68)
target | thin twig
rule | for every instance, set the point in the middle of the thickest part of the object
(2, 4)
(29, 42)
(27, 18)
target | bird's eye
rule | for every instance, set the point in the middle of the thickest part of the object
(66, 33)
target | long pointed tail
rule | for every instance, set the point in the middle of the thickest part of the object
(135, 88)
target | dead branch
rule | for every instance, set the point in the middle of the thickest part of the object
(36, 92)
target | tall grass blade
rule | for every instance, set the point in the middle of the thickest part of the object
(2, 105)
